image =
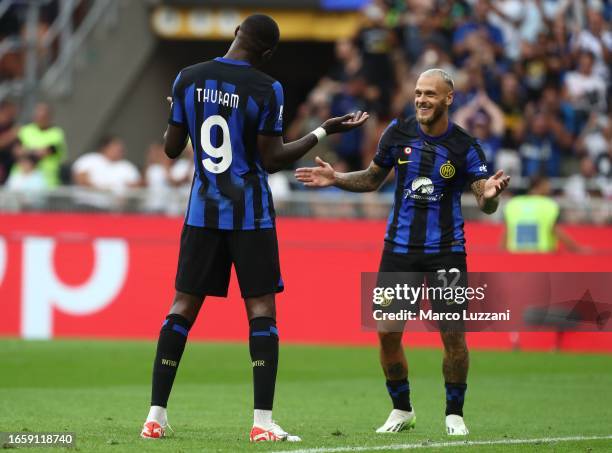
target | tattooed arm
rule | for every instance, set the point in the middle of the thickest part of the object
(367, 180)
(487, 191)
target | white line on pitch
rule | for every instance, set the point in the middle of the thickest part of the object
(465, 443)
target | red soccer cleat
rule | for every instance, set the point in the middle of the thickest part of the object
(152, 430)
(274, 434)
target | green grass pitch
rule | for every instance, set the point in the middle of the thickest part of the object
(331, 396)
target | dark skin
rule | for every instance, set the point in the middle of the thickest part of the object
(433, 97)
(275, 154)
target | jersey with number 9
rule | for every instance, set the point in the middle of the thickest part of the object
(224, 105)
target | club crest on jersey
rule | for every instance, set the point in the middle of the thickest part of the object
(447, 170)
(407, 150)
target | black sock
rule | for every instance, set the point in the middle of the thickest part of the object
(263, 345)
(455, 394)
(170, 347)
(399, 391)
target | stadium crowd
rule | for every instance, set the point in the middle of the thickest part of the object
(532, 80)
(13, 29)
(532, 83)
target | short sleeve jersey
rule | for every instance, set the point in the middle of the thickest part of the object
(430, 176)
(224, 105)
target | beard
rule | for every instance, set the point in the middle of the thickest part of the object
(438, 112)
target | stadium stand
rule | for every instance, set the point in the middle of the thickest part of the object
(533, 84)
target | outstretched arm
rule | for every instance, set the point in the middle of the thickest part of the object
(487, 191)
(324, 175)
(275, 154)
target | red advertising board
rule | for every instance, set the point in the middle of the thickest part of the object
(111, 276)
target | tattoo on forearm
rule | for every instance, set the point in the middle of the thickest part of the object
(487, 206)
(362, 181)
(478, 188)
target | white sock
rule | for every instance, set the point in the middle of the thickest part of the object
(262, 418)
(158, 414)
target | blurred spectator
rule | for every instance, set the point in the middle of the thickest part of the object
(349, 62)
(597, 40)
(534, 66)
(311, 114)
(106, 169)
(469, 81)
(596, 137)
(485, 121)
(25, 176)
(181, 172)
(376, 42)
(280, 187)
(580, 189)
(470, 37)
(434, 55)
(421, 25)
(577, 188)
(573, 13)
(586, 90)
(157, 178)
(531, 221)
(157, 170)
(8, 138)
(542, 146)
(348, 146)
(522, 20)
(168, 181)
(512, 104)
(553, 103)
(603, 164)
(46, 142)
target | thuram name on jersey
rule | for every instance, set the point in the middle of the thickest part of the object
(218, 97)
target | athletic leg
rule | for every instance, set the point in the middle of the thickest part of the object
(203, 269)
(393, 270)
(395, 367)
(452, 269)
(263, 347)
(170, 347)
(455, 369)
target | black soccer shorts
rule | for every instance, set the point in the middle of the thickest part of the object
(206, 257)
(435, 270)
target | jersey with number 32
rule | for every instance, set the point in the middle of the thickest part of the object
(225, 104)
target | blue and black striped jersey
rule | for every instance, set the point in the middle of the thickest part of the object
(430, 176)
(225, 104)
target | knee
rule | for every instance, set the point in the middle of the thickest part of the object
(261, 307)
(390, 342)
(186, 305)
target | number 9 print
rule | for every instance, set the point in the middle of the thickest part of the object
(223, 152)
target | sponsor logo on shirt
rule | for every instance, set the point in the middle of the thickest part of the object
(422, 188)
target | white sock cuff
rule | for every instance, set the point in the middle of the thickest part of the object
(158, 414)
(262, 418)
